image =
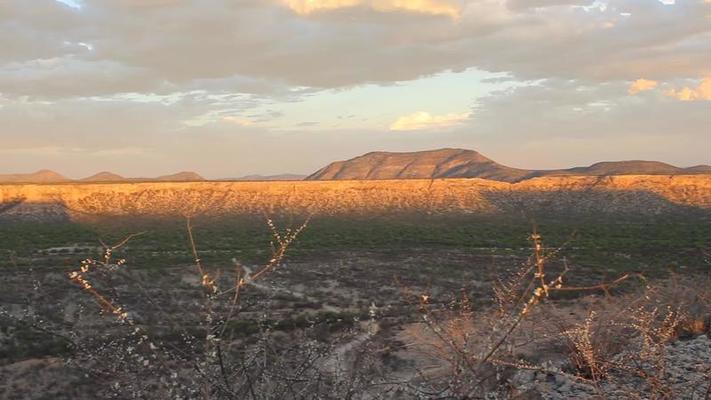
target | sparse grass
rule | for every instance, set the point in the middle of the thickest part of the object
(605, 244)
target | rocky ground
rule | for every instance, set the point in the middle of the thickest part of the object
(687, 376)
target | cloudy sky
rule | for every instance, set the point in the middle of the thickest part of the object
(234, 87)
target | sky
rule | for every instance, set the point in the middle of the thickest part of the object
(228, 88)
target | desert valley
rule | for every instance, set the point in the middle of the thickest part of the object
(367, 239)
(355, 200)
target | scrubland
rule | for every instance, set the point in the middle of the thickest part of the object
(453, 289)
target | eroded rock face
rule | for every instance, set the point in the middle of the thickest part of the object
(619, 194)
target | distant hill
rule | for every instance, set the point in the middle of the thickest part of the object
(700, 169)
(380, 165)
(47, 176)
(460, 163)
(185, 176)
(634, 167)
(443, 163)
(281, 177)
(41, 176)
(104, 176)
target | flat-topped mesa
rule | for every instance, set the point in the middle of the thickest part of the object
(461, 163)
(443, 163)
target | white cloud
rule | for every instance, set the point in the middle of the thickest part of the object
(424, 120)
(71, 3)
(432, 7)
(255, 46)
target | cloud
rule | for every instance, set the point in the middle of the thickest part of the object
(525, 4)
(72, 76)
(641, 85)
(70, 3)
(699, 93)
(558, 123)
(306, 7)
(103, 73)
(238, 120)
(424, 120)
(257, 46)
(431, 7)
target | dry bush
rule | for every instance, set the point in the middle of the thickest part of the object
(474, 350)
(623, 345)
(216, 360)
(602, 345)
(160, 355)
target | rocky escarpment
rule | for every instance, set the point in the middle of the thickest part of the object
(617, 194)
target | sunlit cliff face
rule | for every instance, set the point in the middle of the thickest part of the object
(623, 194)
